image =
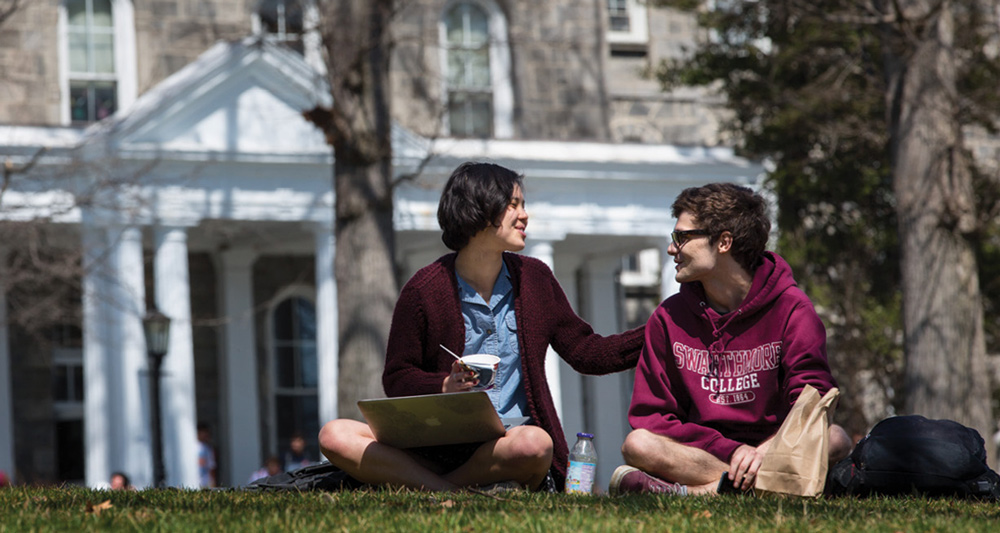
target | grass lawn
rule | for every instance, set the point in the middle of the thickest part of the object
(77, 509)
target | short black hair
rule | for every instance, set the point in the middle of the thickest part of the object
(475, 197)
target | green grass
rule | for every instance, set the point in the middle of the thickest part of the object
(73, 509)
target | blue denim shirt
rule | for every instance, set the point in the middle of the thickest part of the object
(491, 328)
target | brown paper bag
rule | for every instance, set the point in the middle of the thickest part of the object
(797, 460)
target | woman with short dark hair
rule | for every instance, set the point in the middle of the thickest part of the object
(481, 299)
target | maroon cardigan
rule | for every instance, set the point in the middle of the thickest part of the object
(428, 313)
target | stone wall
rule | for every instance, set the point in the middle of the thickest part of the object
(557, 50)
(172, 33)
(641, 111)
(169, 35)
(568, 85)
(556, 58)
(29, 68)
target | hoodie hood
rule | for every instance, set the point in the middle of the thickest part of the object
(772, 278)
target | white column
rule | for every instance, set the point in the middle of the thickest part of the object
(570, 381)
(173, 299)
(127, 393)
(607, 396)
(130, 410)
(668, 281)
(98, 372)
(327, 335)
(241, 447)
(543, 251)
(6, 400)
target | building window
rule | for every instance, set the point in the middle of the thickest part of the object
(628, 29)
(282, 21)
(470, 94)
(293, 23)
(295, 377)
(476, 64)
(91, 44)
(618, 14)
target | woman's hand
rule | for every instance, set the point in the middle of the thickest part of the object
(459, 379)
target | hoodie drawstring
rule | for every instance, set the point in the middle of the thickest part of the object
(718, 346)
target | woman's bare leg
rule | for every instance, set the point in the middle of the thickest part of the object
(351, 446)
(524, 455)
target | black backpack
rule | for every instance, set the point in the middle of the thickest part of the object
(322, 476)
(911, 454)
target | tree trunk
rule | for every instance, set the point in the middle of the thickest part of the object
(356, 39)
(946, 374)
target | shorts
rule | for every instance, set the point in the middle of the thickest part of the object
(449, 456)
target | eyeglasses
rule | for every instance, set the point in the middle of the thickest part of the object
(681, 237)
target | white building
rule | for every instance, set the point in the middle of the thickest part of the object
(219, 213)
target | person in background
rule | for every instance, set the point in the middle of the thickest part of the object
(207, 468)
(119, 481)
(272, 466)
(725, 358)
(295, 457)
(481, 299)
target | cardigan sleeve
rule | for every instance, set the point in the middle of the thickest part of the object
(575, 340)
(406, 371)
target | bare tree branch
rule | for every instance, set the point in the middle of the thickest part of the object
(9, 171)
(7, 8)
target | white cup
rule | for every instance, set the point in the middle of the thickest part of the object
(485, 366)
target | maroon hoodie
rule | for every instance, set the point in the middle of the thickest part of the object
(716, 382)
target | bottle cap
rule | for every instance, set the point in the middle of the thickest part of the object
(585, 435)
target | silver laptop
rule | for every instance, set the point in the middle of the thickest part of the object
(435, 419)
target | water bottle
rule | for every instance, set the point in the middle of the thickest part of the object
(582, 466)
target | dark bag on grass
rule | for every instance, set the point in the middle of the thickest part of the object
(322, 476)
(911, 454)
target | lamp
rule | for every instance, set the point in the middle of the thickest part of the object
(156, 327)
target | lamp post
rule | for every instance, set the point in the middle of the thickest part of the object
(156, 327)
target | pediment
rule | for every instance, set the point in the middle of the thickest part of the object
(238, 98)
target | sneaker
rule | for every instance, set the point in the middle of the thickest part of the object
(628, 479)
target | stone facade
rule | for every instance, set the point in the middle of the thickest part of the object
(568, 82)
(641, 111)
(29, 66)
(172, 33)
(558, 56)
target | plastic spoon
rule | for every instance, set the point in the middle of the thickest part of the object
(466, 367)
